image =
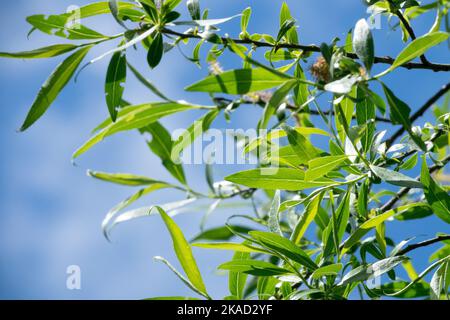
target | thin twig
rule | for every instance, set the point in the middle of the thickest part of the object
(291, 107)
(313, 48)
(403, 191)
(419, 113)
(422, 244)
(409, 29)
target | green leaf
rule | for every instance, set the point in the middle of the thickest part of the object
(363, 44)
(305, 220)
(302, 147)
(115, 78)
(53, 86)
(274, 219)
(184, 253)
(265, 287)
(364, 228)
(437, 283)
(125, 179)
(283, 246)
(419, 289)
(285, 15)
(254, 267)
(283, 179)
(134, 117)
(395, 178)
(415, 213)
(246, 14)
(220, 233)
(45, 52)
(162, 146)
(418, 47)
(365, 272)
(399, 114)
(230, 246)
(187, 282)
(335, 230)
(365, 116)
(156, 51)
(115, 10)
(198, 128)
(237, 280)
(319, 167)
(329, 270)
(194, 9)
(240, 81)
(57, 25)
(436, 196)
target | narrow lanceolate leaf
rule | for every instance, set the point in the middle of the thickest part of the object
(155, 52)
(162, 146)
(283, 246)
(301, 146)
(240, 81)
(329, 270)
(335, 230)
(115, 78)
(114, 8)
(319, 167)
(184, 253)
(122, 178)
(364, 228)
(110, 221)
(436, 196)
(230, 246)
(274, 219)
(276, 178)
(237, 280)
(305, 220)
(438, 281)
(45, 52)
(113, 218)
(373, 270)
(53, 86)
(395, 178)
(58, 25)
(198, 128)
(399, 114)
(363, 44)
(418, 47)
(254, 267)
(187, 282)
(134, 117)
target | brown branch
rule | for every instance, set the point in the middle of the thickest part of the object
(409, 29)
(291, 107)
(422, 244)
(419, 113)
(403, 191)
(313, 48)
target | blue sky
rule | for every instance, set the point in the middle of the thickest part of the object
(50, 211)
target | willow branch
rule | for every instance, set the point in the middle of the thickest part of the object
(313, 48)
(403, 191)
(422, 244)
(409, 29)
(291, 107)
(420, 112)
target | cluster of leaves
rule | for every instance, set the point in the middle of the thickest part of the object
(331, 191)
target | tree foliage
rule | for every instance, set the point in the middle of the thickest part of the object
(323, 211)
